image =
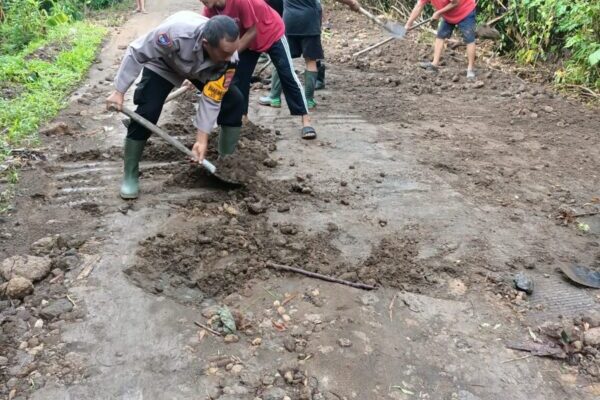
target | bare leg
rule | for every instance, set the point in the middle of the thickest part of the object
(138, 7)
(471, 56)
(437, 51)
(311, 65)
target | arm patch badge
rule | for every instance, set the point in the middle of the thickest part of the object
(163, 39)
(215, 90)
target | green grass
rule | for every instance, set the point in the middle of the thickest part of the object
(44, 87)
(46, 83)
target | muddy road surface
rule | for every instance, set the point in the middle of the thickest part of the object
(437, 190)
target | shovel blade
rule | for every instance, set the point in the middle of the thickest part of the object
(582, 275)
(396, 30)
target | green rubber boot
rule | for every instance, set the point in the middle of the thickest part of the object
(310, 80)
(228, 139)
(274, 97)
(320, 85)
(132, 153)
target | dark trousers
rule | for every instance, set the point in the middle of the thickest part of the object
(152, 91)
(282, 61)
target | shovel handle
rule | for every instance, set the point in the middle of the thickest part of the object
(419, 24)
(165, 136)
(371, 16)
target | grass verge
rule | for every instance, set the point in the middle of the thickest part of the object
(45, 72)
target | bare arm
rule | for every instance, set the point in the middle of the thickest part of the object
(247, 39)
(353, 4)
(415, 14)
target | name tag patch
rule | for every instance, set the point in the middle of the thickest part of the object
(215, 90)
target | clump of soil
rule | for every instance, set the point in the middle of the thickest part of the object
(50, 52)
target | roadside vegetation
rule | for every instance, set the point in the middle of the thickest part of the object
(46, 49)
(560, 37)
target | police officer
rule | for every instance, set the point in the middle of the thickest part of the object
(186, 46)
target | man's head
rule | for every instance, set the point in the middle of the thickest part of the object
(220, 38)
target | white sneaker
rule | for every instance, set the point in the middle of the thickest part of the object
(470, 74)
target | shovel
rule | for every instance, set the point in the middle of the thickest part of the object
(210, 167)
(398, 31)
(582, 275)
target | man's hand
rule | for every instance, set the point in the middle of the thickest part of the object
(200, 146)
(115, 101)
(188, 84)
(354, 5)
(436, 15)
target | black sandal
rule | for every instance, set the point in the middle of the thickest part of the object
(308, 133)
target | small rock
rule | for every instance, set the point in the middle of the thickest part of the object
(289, 377)
(56, 309)
(210, 312)
(257, 342)
(45, 245)
(257, 208)
(3, 361)
(344, 342)
(577, 346)
(269, 163)
(283, 208)
(592, 318)
(592, 337)
(344, 183)
(274, 393)
(31, 267)
(290, 344)
(455, 78)
(548, 109)
(288, 229)
(344, 202)
(19, 287)
(237, 369)
(523, 283)
(479, 84)
(231, 339)
(268, 380)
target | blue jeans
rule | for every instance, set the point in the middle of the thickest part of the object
(467, 27)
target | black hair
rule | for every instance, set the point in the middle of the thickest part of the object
(220, 27)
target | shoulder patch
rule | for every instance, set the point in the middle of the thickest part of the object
(163, 39)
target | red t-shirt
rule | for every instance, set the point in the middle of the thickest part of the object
(247, 13)
(455, 15)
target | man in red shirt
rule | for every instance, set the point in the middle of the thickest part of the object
(453, 13)
(262, 31)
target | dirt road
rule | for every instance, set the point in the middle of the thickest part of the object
(437, 189)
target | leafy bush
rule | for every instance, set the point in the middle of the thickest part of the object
(24, 21)
(560, 31)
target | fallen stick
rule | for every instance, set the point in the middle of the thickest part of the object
(391, 307)
(320, 276)
(201, 325)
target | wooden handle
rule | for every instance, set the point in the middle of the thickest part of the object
(165, 136)
(371, 16)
